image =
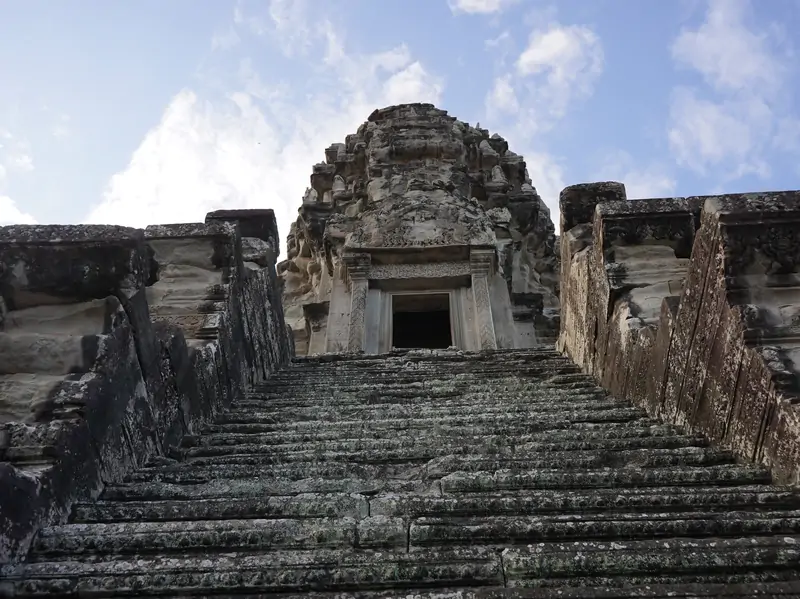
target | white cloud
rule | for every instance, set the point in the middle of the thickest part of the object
(255, 147)
(502, 97)
(732, 124)
(558, 67)
(15, 154)
(787, 137)
(649, 181)
(19, 161)
(501, 40)
(484, 7)
(285, 23)
(11, 215)
(564, 53)
(707, 134)
(411, 84)
(225, 40)
(725, 51)
(547, 176)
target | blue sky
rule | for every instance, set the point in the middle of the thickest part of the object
(158, 111)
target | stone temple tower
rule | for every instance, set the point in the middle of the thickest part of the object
(420, 231)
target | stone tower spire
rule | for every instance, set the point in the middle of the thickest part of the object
(418, 199)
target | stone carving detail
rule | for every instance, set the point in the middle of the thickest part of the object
(411, 178)
(434, 270)
(358, 266)
(481, 263)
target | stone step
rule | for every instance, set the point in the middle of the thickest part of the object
(439, 363)
(266, 572)
(427, 386)
(503, 530)
(266, 425)
(598, 500)
(544, 565)
(205, 468)
(441, 400)
(418, 463)
(729, 475)
(432, 379)
(417, 432)
(239, 466)
(365, 418)
(418, 378)
(262, 487)
(500, 454)
(459, 413)
(304, 505)
(391, 416)
(549, 368)
(761, 590)
(143, 538)
(595, 563)
(483, 482)
(508, 503)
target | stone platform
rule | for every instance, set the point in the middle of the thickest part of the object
(429, 474)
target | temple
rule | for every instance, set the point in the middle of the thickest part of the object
(420, 223)
(432, 396)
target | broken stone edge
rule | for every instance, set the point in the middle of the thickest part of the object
(146, 386)
(719, 352)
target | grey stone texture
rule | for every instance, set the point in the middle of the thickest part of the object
(115, 343)
(429, 474)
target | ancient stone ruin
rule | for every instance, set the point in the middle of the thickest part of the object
(161, 434)
(420, 222)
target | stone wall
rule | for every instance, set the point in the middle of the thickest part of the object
(115, 342)
(690, 307)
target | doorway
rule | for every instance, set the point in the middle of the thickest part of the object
(421, 321)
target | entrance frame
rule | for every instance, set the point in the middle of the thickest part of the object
(386, 338)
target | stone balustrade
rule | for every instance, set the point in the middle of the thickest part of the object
(115, 343)
(690, 307)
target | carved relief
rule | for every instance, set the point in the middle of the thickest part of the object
(358, 266)
(434, 270)
(481, 265)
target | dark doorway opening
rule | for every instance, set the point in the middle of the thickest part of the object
(421, 321)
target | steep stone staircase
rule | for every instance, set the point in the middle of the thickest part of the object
(430, 474)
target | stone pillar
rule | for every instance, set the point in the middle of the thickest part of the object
(357, 274)
(481, 264)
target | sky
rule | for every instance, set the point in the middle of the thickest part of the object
(159, 111)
